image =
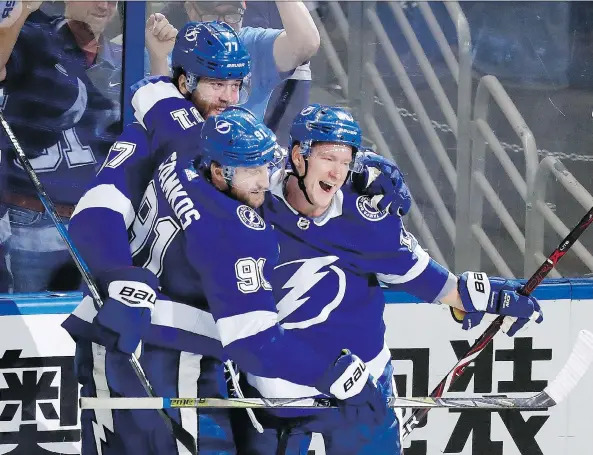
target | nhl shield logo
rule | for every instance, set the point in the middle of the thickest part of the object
(303, 223)
(366, 209)
(250, 218)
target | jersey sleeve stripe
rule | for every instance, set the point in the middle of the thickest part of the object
(148, 95)
(108, 197)
(240, 326)
(282, 388)
(415, 271)
(180, 316)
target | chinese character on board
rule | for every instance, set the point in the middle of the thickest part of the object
(38, 403)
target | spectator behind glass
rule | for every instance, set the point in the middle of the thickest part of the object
(291, 96)
(61, 81)
(275, 53)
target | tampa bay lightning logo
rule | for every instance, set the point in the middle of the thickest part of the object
(250, 218)
(223, 127)
(191, 34)
(310, 272)
(366, 209)
(308, 110)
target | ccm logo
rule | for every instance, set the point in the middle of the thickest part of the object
(8, 9)
(355, 377)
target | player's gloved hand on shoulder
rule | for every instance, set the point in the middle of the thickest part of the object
(481, 294)
(359, 398)
(383, 181)
(129, 298)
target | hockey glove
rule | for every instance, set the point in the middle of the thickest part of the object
(481, 294)
(360, 400)
(130, 297)
(383, 181)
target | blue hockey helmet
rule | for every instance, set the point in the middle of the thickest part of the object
(211, 49)
(236, 138)
(321, 123)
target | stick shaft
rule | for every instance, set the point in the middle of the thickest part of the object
(179, 432)
(482, 342)
(539, 401)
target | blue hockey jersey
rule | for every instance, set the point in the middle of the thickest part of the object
(213, 256)
(326, 284)
(167, 122)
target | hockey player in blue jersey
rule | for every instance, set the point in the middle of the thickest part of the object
(203, 299)
(335, 249)
(211, 67)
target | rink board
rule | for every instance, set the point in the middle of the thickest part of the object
(38, 391)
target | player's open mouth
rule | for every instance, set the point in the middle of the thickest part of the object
(325, 186)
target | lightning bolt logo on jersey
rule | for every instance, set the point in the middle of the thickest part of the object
(302, 284)
(326, 283)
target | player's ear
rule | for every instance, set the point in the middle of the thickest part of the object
(297, 158)
(182, 81)
(216, 176)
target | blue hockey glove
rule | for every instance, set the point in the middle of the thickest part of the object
(383, 181)
(359, 398)
(481, 294)
(129, 298)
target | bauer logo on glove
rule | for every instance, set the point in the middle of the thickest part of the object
(132, 293)
(481, 294)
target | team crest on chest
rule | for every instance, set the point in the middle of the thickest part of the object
(366, 209)
(250, 218)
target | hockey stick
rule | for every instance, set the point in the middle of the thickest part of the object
(417, 415)
(178, 431)
(557, 390)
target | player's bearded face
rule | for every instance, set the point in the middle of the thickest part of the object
(212, 96)
(249, 184)
(328, 168)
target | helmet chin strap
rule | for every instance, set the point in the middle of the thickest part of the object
(301, 181)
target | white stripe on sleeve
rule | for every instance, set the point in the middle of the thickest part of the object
(233, 328)
(415, 271)
(108, 197)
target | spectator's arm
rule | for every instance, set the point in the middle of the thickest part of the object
(160, 38)
(10, 33)
(300, 38)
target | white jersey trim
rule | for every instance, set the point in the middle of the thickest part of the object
(233, 328)
(415, 271)
(108, 197)
(148, 95)
(166, 313)
(334, 210)
(281, 388)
